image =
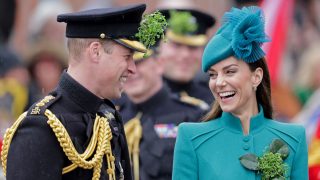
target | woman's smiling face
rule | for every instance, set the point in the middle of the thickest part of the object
(233, 85)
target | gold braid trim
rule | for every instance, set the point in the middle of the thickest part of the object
(133, 130)
(100, 141)
(104, 136)
(90, 149)
(184, 97)
(7, 141)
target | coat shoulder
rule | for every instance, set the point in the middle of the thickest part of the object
(293, 134)
(200, 132)
(293, 130)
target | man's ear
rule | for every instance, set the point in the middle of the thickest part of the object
(257, 77)
(94, 51)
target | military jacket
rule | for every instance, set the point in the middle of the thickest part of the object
(193, 88)
(211, 150)
(161, 114)
(35, 152)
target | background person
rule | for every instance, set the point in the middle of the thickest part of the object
(182, 51)
(151, 116)
(45, 62)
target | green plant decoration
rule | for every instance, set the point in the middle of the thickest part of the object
(270, 165)
(151, 28)
(182, 22)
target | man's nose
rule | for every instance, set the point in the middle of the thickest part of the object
(132, 66)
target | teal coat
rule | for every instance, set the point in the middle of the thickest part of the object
(211, 150)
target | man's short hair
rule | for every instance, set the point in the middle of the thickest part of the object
(78, 45)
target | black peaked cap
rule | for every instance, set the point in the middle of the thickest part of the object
(114, 23)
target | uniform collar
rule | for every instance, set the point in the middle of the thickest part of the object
(151, 104)
(79, 94)
(178, 87)
(232, 122)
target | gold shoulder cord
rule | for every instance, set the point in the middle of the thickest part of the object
(100, 141)
(184, 97)
(133, 130)
(7, 140)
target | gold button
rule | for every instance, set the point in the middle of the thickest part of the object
(102, 35)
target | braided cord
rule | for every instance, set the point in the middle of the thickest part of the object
(104, 136)
(133, 130)
(110, 161)
(7, 141)
(100, 140)
(90, 149)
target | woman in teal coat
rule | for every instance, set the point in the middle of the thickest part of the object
(239, 139)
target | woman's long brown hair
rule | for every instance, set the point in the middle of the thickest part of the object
(263, 93)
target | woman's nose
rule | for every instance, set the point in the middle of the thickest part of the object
(220, 81)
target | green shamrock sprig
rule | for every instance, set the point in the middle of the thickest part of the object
(270, 165)
(151, 28)
(182, 22)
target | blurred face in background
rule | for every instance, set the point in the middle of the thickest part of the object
(146, 81)
(181, 62)
(46, 71)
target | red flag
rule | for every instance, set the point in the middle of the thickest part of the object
(278, 15)
(314, 155)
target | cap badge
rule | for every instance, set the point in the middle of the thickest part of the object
(102, 35)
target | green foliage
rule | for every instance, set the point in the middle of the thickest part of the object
(151, 28)
(182, 22)
(278, 146)
(270, 165)
(250, 161)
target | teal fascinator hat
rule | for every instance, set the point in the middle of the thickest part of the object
(241, 35)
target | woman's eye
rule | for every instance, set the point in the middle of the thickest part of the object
(231, 71)
(213, 75)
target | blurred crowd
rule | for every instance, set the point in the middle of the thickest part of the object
(33, 55)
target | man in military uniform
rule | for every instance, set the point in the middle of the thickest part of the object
(151, 116)
(186, 34)
(75, 132)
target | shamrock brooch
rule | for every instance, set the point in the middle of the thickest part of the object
(270, 165)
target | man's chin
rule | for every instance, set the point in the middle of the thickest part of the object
(120, 94)
(117, 95)
(132, 93)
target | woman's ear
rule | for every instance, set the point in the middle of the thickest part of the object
(257, 77)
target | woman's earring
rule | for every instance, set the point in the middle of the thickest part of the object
(254, 88)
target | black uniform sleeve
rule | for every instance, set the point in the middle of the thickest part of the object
(34, 152)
